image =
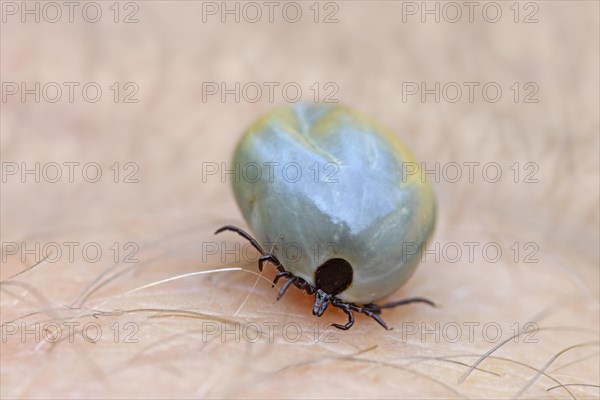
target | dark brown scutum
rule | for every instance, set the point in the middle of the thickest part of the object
(334, 276)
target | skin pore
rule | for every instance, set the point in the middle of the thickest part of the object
(170, 310)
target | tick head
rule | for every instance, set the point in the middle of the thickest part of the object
(322, 300)
(331, 278)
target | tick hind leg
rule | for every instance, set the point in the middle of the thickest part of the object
(370, 310)
(399, 303)
(374, 310)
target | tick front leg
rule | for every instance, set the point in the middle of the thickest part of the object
(243, 234)
(264, 257)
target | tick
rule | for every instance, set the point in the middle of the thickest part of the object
(339, 201)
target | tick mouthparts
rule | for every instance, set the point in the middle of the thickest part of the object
(322, 300)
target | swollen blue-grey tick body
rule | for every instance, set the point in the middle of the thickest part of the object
(341, 202)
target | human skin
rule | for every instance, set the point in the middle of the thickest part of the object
(197, 336)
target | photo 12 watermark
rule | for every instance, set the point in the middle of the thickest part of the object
(452, 12)
(71, 252)
(270, 171)
(470, 92)
(69, 92)
(53, 12)
(471, 332)
(268, 331)
(69, 172)
(69, 331)
(271, 92)
(471, 172)
(472, 252)
(252, 12)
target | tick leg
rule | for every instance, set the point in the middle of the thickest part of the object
(303, 285)
(269, 257)
(285, 287)
(309, 289)
(281, 274)
(243, 234)
(348, 311)
(375, 316)
(373, 310)
(402, 302)
(264, 255)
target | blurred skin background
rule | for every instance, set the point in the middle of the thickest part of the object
(119, 119)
